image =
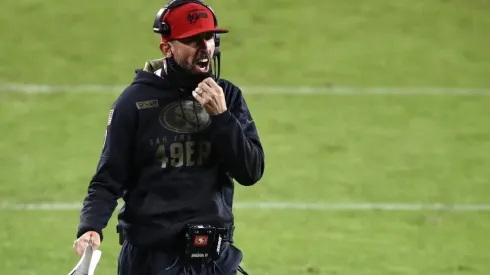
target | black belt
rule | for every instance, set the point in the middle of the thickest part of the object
(227, 236)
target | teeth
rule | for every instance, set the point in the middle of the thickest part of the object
(203, 60)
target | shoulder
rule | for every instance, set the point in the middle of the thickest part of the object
(126, 103)
(126, 99)
(134, 93)
(228, 86)
(232, 92)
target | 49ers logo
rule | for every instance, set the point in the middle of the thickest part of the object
(195, 15)
(184, 117)
(201, 240)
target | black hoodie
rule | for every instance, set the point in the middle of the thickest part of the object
(170, 161)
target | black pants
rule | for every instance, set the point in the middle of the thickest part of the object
(142, 261)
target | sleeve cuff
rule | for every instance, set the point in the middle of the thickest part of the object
(221, 119)
(82, 231)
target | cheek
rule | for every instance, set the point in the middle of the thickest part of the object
(181, 55)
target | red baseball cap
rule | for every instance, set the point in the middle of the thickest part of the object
(190, 19)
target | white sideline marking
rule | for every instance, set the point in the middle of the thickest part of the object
(275, 90)
(285, 205)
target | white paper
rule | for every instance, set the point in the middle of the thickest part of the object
(88, 262)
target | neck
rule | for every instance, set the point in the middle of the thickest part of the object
(181, 78)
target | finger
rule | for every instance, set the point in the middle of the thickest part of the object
(215, 88)
(80, 248)
(208, 92)
(207, 96)
(199, 90)
(211, 83)
(198, 97)
(205, 88)
(95, 244)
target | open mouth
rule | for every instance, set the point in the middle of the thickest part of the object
(202, 65)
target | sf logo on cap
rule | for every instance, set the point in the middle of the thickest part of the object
(195, 15)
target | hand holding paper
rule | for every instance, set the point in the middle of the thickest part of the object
(89, 260)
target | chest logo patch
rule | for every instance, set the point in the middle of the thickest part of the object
(184, 117)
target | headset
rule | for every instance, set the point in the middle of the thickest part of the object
(164, 29)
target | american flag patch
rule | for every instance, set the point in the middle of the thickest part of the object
(111, 112)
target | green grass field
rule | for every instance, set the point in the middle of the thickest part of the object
(320, 148)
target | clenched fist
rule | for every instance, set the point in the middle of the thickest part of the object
(81, 243)
(211, 96)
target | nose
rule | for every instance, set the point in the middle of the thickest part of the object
(203, 43)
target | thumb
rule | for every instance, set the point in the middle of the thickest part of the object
(80, 247)
(94, 237)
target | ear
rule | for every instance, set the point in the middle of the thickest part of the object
(165, 47)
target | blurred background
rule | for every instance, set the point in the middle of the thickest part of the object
(374, 117)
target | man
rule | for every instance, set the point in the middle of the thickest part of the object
(175, 140)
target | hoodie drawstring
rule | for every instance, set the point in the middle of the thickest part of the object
(195, 115)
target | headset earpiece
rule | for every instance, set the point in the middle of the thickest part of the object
(157, 24)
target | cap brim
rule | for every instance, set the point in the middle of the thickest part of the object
(198, 31)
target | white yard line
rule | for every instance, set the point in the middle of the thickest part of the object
(285, 206)
(274, 90)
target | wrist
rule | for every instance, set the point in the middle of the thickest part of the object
(83, 231)
(221, 119)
